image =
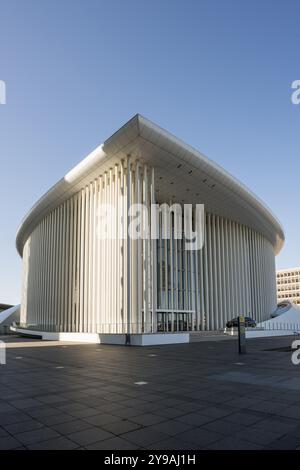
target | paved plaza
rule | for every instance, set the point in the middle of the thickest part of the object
(201, 395)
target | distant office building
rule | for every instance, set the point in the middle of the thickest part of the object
(288, 285)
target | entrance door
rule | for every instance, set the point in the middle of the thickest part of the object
(182, 321)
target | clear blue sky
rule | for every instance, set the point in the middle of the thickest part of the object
(215, 73)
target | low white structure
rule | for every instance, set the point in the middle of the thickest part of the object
(284, 324)
(8, 317)
(74, 282)
(282, 307)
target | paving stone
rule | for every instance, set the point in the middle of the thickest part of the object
(172, 443)
(24, 426)
(60, 443)
(216, 412)
(56, 419)
(115, 443)
(190, 407)
(285, 443)
(232, 443)
(6, 407)
(269, 406)
(52, 399)
(147, 419)
(126, 412)
(242, 403)
(70, 407)
(101, 419)
(9, 443)
(70, 426)
(27, 403)
(150, 407)
(84, 413)
(289, 412)
(195, 419)
(36, 435)
(121, 427)
(145, 436)
(245, 418)
(89, 436)
(14, 417)
(170, 412)
(258, 436)
(133, 402)
(42, 412)
(3, 433)
(284, 424)
(295, 432)
(224, 427)
(199, 436)
(171, 427)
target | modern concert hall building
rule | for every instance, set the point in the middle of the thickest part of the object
(75, 281)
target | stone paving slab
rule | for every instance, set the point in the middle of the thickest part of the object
(201, 395)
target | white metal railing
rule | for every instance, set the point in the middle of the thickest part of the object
(275, 326)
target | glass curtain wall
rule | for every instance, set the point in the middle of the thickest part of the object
(175, 283)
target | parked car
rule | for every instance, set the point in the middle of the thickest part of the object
(249, 322)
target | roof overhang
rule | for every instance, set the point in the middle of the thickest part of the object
(182, 174)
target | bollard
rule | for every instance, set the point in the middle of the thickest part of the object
(127, 340)
(242, 334)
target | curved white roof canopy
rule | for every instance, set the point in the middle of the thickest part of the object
(182, 174)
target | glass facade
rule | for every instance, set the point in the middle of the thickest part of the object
(175, 283)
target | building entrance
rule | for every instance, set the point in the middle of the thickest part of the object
(174, 321)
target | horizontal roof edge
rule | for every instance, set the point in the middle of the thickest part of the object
(138, 126)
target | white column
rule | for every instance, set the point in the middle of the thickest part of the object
(128, 249)
(153, 261)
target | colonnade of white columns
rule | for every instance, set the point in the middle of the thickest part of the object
(233, 274)
(75, 281)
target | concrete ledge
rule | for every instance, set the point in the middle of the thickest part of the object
(145, 339)
(150, 339)
(49, 336)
